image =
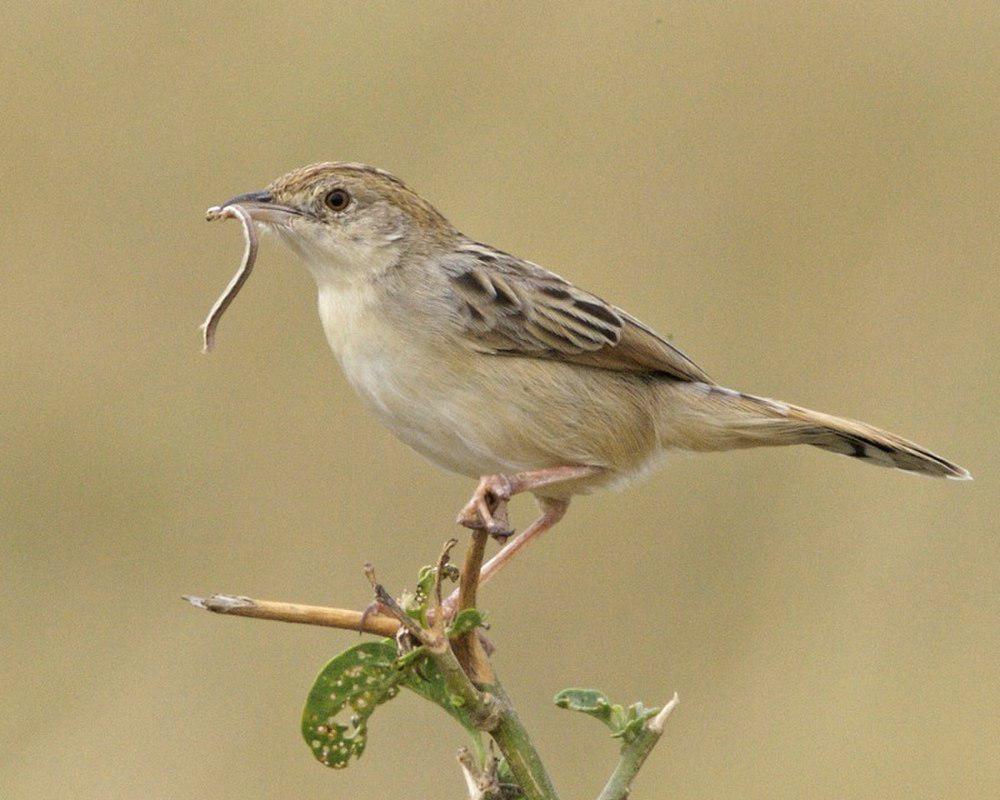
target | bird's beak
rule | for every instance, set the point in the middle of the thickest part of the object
(261, 207)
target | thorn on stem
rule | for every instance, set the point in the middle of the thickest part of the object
(657, 723)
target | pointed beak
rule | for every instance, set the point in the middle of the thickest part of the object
(248, 200)
(261, 207)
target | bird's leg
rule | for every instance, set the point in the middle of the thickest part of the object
(487, 510)
(552, 512)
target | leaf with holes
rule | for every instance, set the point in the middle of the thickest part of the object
(415, 603)
(346, 692)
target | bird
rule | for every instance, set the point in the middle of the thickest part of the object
(497, 369)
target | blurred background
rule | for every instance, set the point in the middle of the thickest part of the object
(803, 195)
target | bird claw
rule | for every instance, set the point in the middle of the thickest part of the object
(501, 534)
(487, 510)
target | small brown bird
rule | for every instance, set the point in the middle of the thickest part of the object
(496, 368)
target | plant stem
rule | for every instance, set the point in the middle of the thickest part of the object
(463, 663)
(468, 647)
(295, 612)
(522, 757)
(486, 701)
(634, 754)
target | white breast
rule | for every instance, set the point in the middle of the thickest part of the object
(410, 388)
(367, 349)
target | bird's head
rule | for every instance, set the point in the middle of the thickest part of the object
(343, 219)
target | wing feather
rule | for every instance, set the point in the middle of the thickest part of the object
(513, 307)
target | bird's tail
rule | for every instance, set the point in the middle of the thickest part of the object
(700, 416)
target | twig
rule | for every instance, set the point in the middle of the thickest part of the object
(343, 618)
(634, 754)
(469, 582)
(523, 759)
(482, 706)
(443, 559)
(387, 604)
(470, 773)
(481, 782)
(468, 647)
(489, 707)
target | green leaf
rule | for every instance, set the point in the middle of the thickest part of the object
(635, 718)
(466, 620)
(415, 604)
(350, 687)
(625, 723)
(588, 701)
(344, 696)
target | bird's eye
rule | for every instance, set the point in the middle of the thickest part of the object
(337, 200)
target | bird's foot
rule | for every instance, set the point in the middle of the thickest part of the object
(487, 510)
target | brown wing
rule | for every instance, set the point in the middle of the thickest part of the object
(513, 307)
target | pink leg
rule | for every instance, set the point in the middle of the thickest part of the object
(487, 510)
(552, 512)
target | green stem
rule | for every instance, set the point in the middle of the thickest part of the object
(522, 757)
(478, 747)
(487, 703)
(634, 755)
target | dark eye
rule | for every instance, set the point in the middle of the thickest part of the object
(337, 200)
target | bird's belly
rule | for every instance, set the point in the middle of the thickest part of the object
(422, 403)
(476, 414)
(480, 415)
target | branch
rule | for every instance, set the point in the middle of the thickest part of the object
(294, 612)
(634, 754)
(486, 701)
(481, 781)
(468, 647)
(489, 706)
(482, 706)
(523, 759)
(469, 581)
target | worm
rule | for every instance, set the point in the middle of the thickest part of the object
(229, 293)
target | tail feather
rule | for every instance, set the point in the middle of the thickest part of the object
(720, 419)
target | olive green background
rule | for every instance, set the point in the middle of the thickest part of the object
(804, 195)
